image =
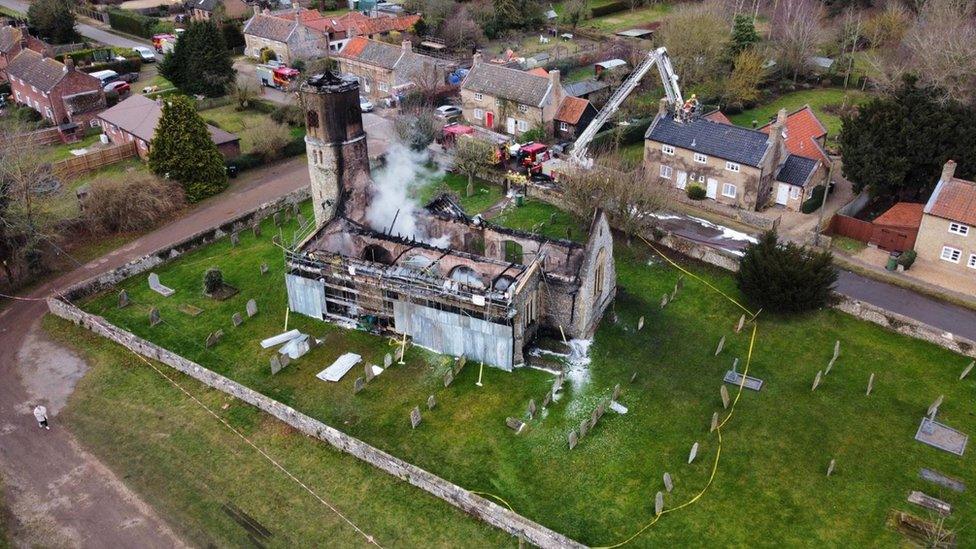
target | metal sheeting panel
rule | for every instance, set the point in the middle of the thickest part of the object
(305, 296)
(455, 334)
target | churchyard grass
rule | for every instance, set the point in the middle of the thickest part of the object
(485, 194)
(770, 486)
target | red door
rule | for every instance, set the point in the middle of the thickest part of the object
(489, 119)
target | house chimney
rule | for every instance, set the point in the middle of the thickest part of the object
(406, 45)
(266, 11)
(256, 9)
(557, 87)
(662, 107)
(69, 64)
(475, 59)
(948, 170)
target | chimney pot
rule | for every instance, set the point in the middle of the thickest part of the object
(781, 117)
(662, 106)
(69, 64)
(476, 59)
(407, 45)
(949, 170)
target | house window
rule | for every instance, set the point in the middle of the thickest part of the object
(795, 192)
(523, 126)
(17, 95)
(700, 158)
(972, 261)
(728, 190)
(701, 178)
(478, 97)
(732, 167)
(950, 254)
(563, 127)
(667, 149)
(523, 108)
(598, 275)
(48, 113)
(665, 171)
(479, 114)
(959, 228)
(384, 87)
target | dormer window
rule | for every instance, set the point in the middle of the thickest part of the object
(523, 108)
(701, 158)
(667, 149)
(732, 167)
(959, 229)
(478, 97)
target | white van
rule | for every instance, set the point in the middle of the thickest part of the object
(105, 76)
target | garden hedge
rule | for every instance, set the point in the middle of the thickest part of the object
(816, 199)
(137, 24)
(607, 9)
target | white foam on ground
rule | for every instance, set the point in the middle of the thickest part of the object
(618, 407)
(727, 233)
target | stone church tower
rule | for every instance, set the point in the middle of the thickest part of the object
(338, 160)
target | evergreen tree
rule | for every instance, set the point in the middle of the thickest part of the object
(200, 63)
(53, 20)
(744, 35)
(785, 278)
(183, 150)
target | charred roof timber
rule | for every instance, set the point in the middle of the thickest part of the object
(331, 82)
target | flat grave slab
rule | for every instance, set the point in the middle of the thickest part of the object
(191, 310)
(941, 436)
(936, 477)
(340, 367)
(929, 502)
(735, 378)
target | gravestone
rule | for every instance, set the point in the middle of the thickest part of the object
(668, 483)
(680, 283)
(358, 385)
(547, 400)
(658, 503)
(725, 396)
(532, 408)
(870, 384)
(154, 316)
(721, 345)
(929, 502)
(257, 230)
(515, 424)
(234, 239)
(640, 323)
(674, 292)
(664, 301)
(264, 268)
(934, 407)
(961, 376)
(251, 308)
(942, 480)
(387, 361)
(461, 363)
(584, 427)
(157, 286)
(816, 380)
(830, 365)
(616, 393)
(368, 370)
(448, 378)
(573, 439)
(275, 364)
(214, 338)
(593, 419)
(431, 402)
(285, 360)
(836, 349)
(714, 422)
(124, 301)
(693, 453)
(633, 377)
(600, 410)
(830, 468)
(415, 417)
(277, 219)
(735, 365)
(296, 209)
(237, 319)
(742, 322)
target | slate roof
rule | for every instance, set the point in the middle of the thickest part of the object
(9, 36)
(36, 70)
(139, 116)
(506, 83)
(954, 200)
(390, 57)
(83, 102)
(797, 170)
(571, 109)
(585, 87)
(711, 138)
(803, 130)
(270, 27)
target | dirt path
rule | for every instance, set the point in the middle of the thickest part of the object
(61, 495)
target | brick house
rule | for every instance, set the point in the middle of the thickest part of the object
(382, 67)
(135, 119)
(736, 166)
(805, 136)
(286, 34)
(573, 116)
(345, 27)
(509, 100)
(205, 10)
(947, 235)
(12, 41)
(64, 96)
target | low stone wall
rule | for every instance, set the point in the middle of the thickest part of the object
(905, 326)
(474, 505)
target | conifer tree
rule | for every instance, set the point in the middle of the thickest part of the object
(200, 63)
(785, 278)
(183, 150)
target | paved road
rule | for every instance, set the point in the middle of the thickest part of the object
(88, 31)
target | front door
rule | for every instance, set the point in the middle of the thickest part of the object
(782, 194)
(510, 125)
(682, 180)
(490, 120)
(712, 190)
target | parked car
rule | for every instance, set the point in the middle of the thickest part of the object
(145, 53)
(119, 87)
(106, 76)
(365, 105)
(447, 111)
(129, 77)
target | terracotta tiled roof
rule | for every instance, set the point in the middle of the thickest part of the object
(902, 214)
(803, 130)
(539, 71)
(378, 25)
(36, 70)
(355, 23)
(717, 116)
(954, 200)
(571, 109)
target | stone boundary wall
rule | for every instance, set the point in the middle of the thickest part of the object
(905, 326)
(476, 506)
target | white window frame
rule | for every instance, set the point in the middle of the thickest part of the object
(523, 108)
(384, 87)
(959, 229)
(667, 149)
(48, 113)
(563, 127)
(972, 261)
(732, 167)
(950, 254)
(666, 171)
(725, 193)
(479, 114)
(700, 158)
(522, 125)
(795, 192)
(478, 96)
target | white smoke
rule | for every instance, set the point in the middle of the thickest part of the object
(394, 186)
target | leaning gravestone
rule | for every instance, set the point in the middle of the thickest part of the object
(532, 408)
(448, 378)
(836, 348)
(358, 385)
(251, 308)
(658, 503)
(664, 301)
(275, 364)
(461, 362)
(214, 337)
(967, 370)
(714, 422)
(124, 301)
(547, 400)
(870, 384)
(157, 286)
(515, 424)
(573, 439)
(285, 360)
(640, 323)
(368, 370)
(264, 268)
(693, 453)
(584, 427)
(616, 393)
(277, 219)
(742, 322)
(593, 419)
(725, 396)
(431, 402)
(154, 316)
(721, 345)
(668, 483)
(600, 410)
(816, 380)
(257, 230)
(237, 319)
(234, 239)
(415, 417)
(830, 468)
(387, 361)
(830, 365)
(934, 407)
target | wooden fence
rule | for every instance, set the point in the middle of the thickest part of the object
(77, 166)
(883, 236)
(36, 138)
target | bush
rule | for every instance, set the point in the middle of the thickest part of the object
(785, 278)
(138, 202)
(907, 258)
(213, 281)
(695, 192)
(140, 25)
(130, 64)
(813, 203)
(268, 139)
(268, 54)
(292, 115)
(607, 9)
(537, 134)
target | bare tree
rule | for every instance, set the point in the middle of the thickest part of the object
(941, 47)
(747, 74)
(575, 12)
(472, 155)
(696, 36)
(797, 33)
(461, 33)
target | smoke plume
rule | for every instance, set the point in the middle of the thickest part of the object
(394, 186)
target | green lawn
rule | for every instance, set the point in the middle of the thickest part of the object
(628, 19)
(848, 245)
(485, 195)
(769, 485)
(63, 151)
(823, 101)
